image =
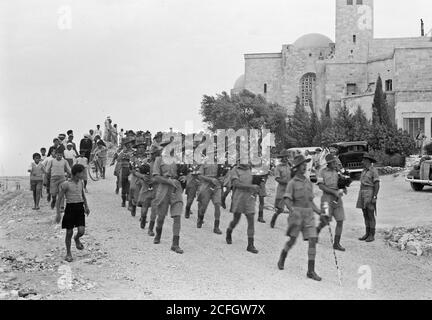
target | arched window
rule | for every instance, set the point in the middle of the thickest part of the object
(307, 86)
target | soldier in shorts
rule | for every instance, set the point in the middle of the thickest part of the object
(123, 158)
(210, 189)
(137, 160)
(282, 174)
(243, 201)
(299, 201)
(168, 197)
(328, 183)
(192, 187)
(368, 195)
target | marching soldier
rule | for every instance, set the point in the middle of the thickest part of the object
(155, 152)
(138, 159)
(210, 189)
(192, 186)
(123, 158)
(168, 196)
(299, 201)
(260, 179)
(282, 176)
(368, 195)
(328, 183)
(227, 185)
(243, 201)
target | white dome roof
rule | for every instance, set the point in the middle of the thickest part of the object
(240, 83)
(312, 40)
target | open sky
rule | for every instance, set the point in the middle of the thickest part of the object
(144, 63)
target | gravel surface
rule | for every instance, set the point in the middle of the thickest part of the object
(120, 260)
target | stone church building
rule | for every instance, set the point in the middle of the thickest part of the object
(317, 70)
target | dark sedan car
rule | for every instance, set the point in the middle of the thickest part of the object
(351, 155)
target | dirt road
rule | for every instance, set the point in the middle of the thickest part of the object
(120, 260)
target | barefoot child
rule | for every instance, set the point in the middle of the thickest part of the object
(37, 172)
(76, 207)
(101, 154)
(58, 168)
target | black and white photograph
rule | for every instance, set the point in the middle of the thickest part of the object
(233, 153)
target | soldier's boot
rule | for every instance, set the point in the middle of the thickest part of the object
(366, 235)
(311, 274)
(123, 201)
(223, 204)
(261, 217)
(175, 245)
(273, 220)
(158, 235)
(371, 236)
(337, 245)
(143, 221)
(133, 210)
(216, 227)
(251, 247)
(228, 236)
(282, 258)
(150, 230)
(200, 222)
(130, 206)
(187, 213)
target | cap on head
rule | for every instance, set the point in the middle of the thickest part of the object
(299, 160)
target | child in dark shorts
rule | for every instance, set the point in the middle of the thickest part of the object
(76, 208)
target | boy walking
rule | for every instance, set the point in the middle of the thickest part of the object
(101, 153)
(37, 172)
(76, 207)
(57, 169)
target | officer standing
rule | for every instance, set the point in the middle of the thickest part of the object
(299, 201)
(282, 176)
(332, 196)
(243, 201)
(368, 195)
(260, 176)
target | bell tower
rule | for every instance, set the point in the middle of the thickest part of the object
(354, 29)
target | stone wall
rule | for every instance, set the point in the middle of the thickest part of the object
(263, 69)
(353, 20)
(385, 47)
(364, 101)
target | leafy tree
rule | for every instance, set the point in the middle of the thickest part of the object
(245, 110)
(362, 125)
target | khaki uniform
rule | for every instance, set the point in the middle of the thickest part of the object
(367, 180)
(208, 191)
(123, 158)
(330, 179)
(300, 192)
(282, 171)
(147, 190)
(135, 183)
(243, 201)
(167, 197)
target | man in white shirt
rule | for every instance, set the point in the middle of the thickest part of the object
(98, 131)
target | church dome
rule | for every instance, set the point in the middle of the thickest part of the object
(240, 83)
(312, 40)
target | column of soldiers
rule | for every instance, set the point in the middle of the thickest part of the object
(150, 183)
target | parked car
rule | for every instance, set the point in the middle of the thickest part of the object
(351, 155)
(421, 175)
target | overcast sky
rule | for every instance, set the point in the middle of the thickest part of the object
(145, 63)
